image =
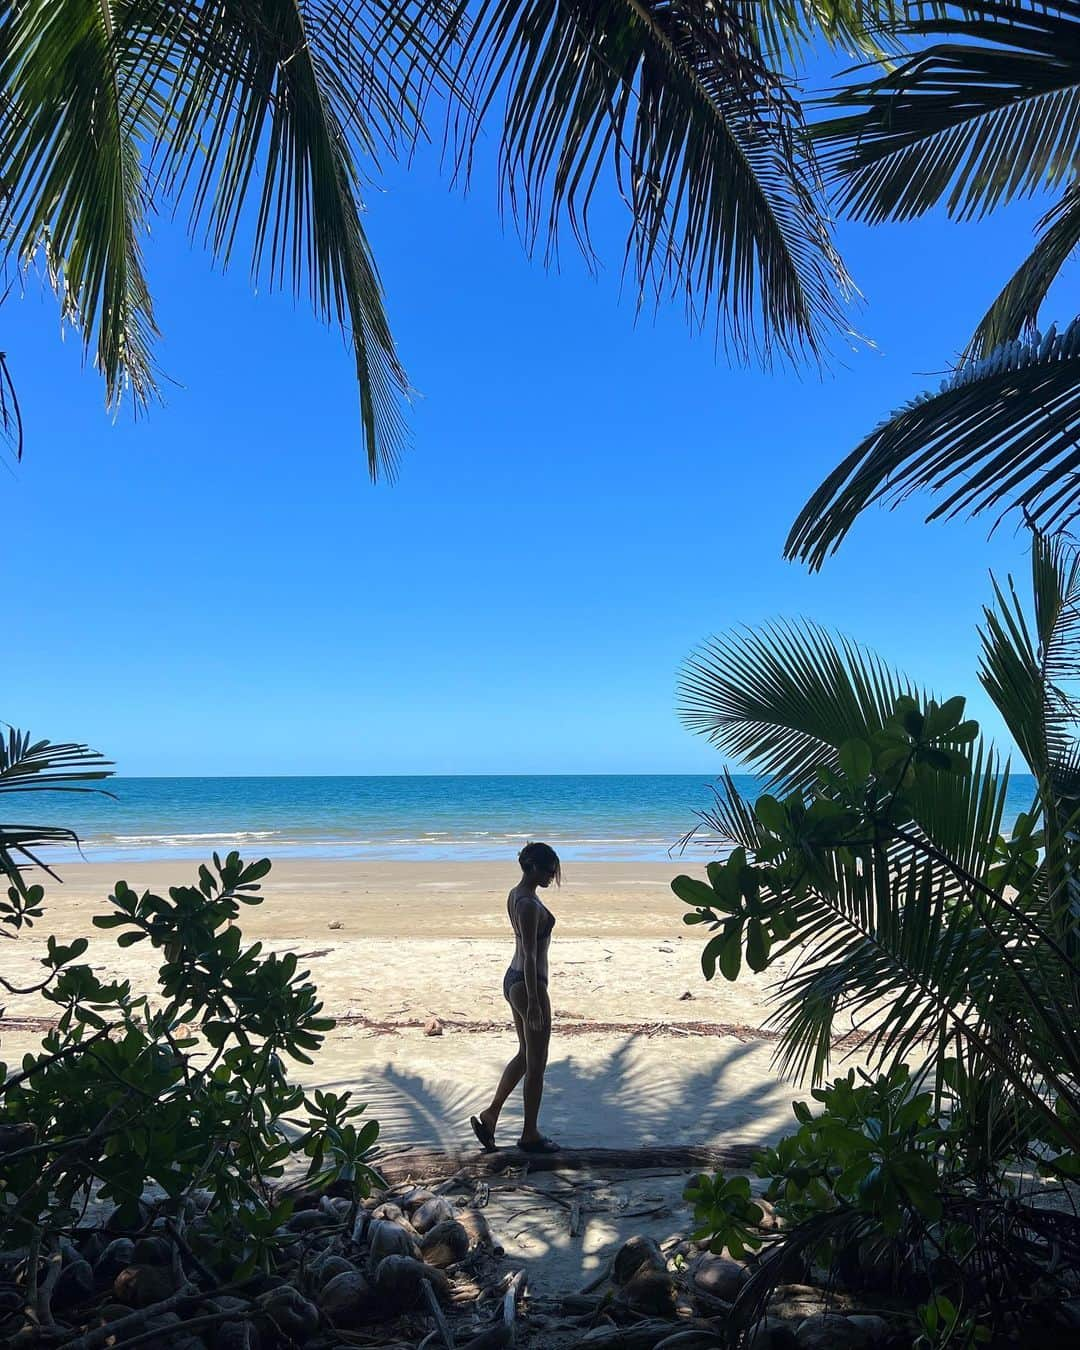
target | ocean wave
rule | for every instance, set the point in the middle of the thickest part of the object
(182, 839)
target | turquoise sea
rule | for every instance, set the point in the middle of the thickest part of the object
(632, 817)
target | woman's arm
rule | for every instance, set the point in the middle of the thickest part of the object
(529, 926)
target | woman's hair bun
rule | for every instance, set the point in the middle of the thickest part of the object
(540, 856)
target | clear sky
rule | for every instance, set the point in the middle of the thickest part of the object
(219, 589)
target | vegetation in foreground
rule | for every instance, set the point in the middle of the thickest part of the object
(952, 951)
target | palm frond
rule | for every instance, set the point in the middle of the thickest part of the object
(1000, 434)
(972, 122)
(21, 845)
(783, 698)
(254, 115)
(730, 821)
(678, 105)
(11, 423)
(73, 178)
(1015, 311)
(27, 765)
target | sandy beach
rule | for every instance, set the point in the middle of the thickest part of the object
(644, 1050)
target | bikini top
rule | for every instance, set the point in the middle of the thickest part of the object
(547, 919)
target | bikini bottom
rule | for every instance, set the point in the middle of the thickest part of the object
(514, 976)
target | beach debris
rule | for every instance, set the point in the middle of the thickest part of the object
(336, 924)
(417, 1267)
(719, 1277)
(685, 998)
(637, 1254)
(445, 1244)
(347, 1300)
(433, 1028)
(436, 1210)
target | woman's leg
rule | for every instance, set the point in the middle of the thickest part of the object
(536, 1056)
(511, 1075)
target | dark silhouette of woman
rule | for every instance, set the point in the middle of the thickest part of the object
(525, 987)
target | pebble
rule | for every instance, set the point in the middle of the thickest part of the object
(433, 1028)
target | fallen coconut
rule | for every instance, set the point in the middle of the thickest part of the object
(289, 1313)
(388, 1239)
(400, 1280)
(445, 1244)
(635, 1253)
(719, 1277)
(347, 1300)
(649, 1292)
(141, 1286)
(433, 1211)
(476, 1225)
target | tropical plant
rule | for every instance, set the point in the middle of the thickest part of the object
(924, 933)
(984, 113)
(27, 765)
(188, 1092)
(258, 119)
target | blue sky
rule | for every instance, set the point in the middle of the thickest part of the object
(218, 588)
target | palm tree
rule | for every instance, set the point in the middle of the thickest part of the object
(258, 120)
(877, 855)
(987, 112)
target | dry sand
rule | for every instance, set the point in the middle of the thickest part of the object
(643, 1051)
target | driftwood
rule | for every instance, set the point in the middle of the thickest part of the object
(433, 1162)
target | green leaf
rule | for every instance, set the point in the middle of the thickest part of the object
(771, 814)
(856, 760)
(730, 954)
(709, 954)
(757, 945)
(693, 892)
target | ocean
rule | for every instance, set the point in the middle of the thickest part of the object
(630, 817)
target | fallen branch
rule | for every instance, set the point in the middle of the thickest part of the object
(418, 1163)
(437, 1313)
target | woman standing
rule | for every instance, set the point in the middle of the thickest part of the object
(525, 987)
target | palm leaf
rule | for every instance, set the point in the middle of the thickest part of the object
(73, 177)
(1000, 434)
(678, 105)
(1015, 311)
(27, 765)
(252, 113)
(783, 698)
(972, 122)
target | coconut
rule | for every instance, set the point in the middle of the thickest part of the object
(399, 1282)
(431, 1212)
(444, 1244)
(388, 1239)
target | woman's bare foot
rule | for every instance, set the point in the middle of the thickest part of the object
(539, 1144)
